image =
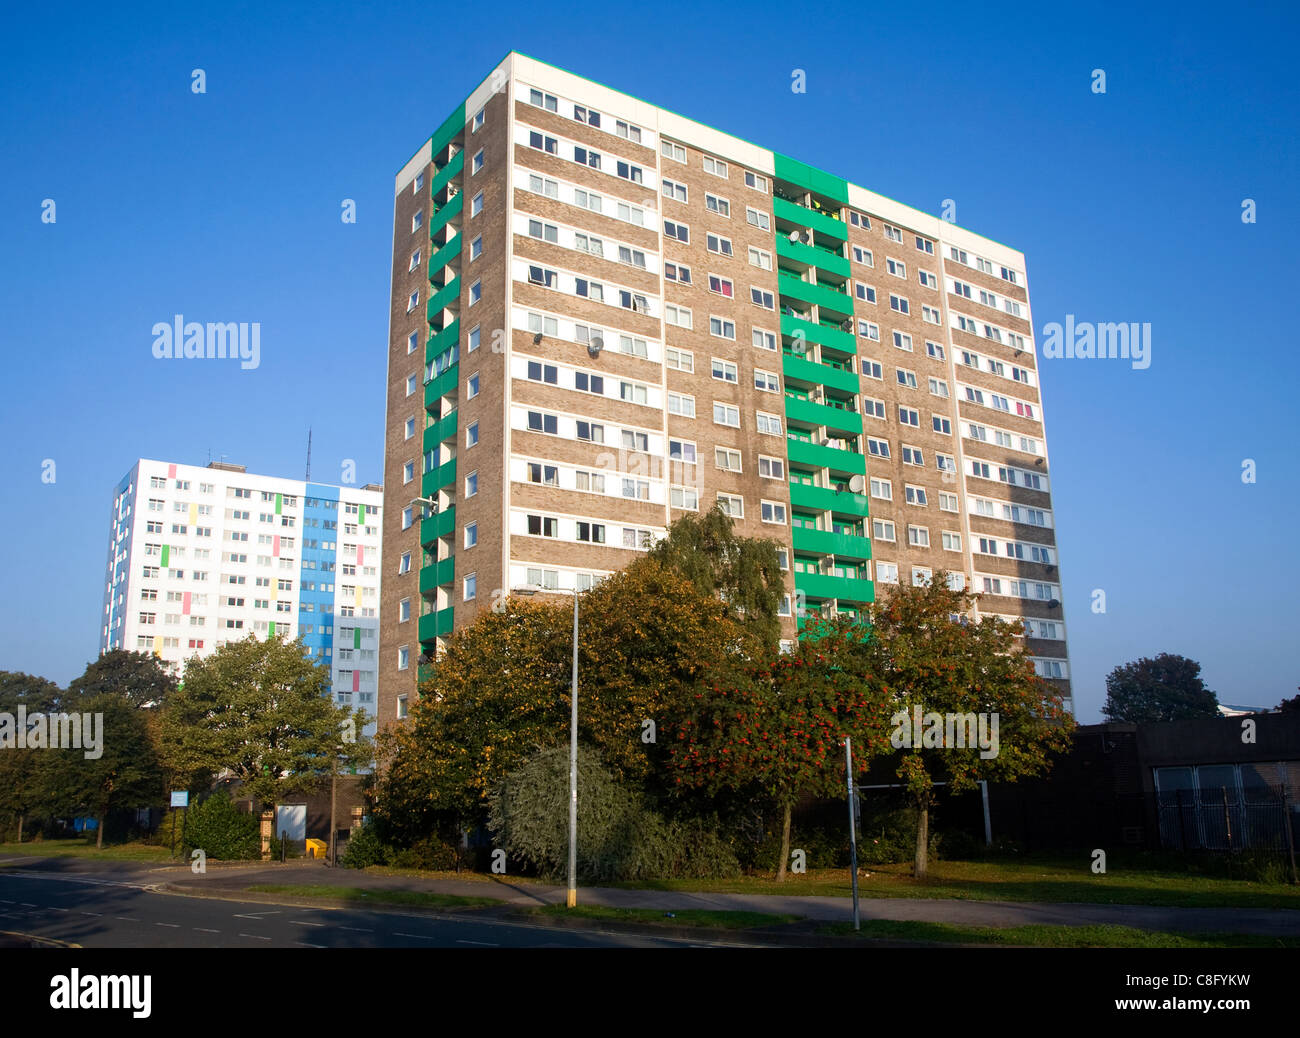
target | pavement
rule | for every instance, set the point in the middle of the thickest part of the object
(232, 880)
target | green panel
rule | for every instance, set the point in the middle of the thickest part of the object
(821, 585)
(433, 577)
(823, 414)
(451, 126)
(356, 637)
(812, 254)
(823, 499)
(435, 625)
(820, 222)
(279, 503)
(445, 214)
(802, 452)
(818, 333)
(810, 177)
(443, 256)
(437, 525)
(361, 515)
(423, 672)
(822, 295)
(440, 342)
(429, 579)
(166, 554)
(443, 476)
(448, 171)
(443, 298)
(270, 630)
(443, 429)
(441, 385)
(822, 374)
(824, 542)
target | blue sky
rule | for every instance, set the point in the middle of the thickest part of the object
(225, 206)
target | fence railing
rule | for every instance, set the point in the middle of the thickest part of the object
(1263, 818)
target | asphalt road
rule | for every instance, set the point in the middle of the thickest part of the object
(100, 912)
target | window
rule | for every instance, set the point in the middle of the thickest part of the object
(925, 245)
(882, 489)
(864, 291)
(541, 100)
(755, 180)
(899, 270)
(892, 233)
(586, 157)
(417, 221)
(733, 505)
(906, 378)
(769, 424)
(913, 456)
(542, 276)
(722, 328)
(883, 529)
(909, 416)
(760, 259)
(764, 340)
(632, 392)
(918, 536)
(471, 534)
(873, 408)
(721, 286)
(548, 475)
(681, 404)
(408, 472)
(413, 302)
(720, 245)
(539, 372)
(477, 164)
(938, 387)
(714, 204)
(543, 186)
(588, 383)
(762, 298)
(679, 360)
(672, 151)
(674, 191)
(715, 166)
(471, 587)
(915, 495)
(771, 468)
(727, 459)
(471, 386)
(868, 330)
(632, 257)
(927, 279)
(591, 533)
(677, 272)
(542, 142)
(475, 292)
(471, 434)
(863, 256)
(920, 576)
(767, 381)
(726, 414)
(887, 572)
(543, 526)
(940, 424)
(415, 260)
(586, 115)
(681, 451)
(627, 131)
(411, 383)
(877, 448)
(725, 371)
(903, 341)
(589, 432)
(757, 217)
(678, 315)
(476, 204)
(899, 304)
(630, 172)
(934, 349)
(677, 231)
(636, 489)
(685, 498)
(410, 428)
(471, 484)
(772, 512)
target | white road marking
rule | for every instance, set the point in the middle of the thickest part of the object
(481, 944)
(204, 929)
(125, 919)
(303, 922)
(417, 936)
(255, 937)
(304, 944)
(95, 914)
(356, 929)
(174, 926)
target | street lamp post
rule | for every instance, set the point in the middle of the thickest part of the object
(572, 899)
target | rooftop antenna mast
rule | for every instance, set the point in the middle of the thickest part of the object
(308, 454)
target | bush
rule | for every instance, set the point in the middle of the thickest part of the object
(620, 836)
(222, 831)
(430, 853)
(365, 848)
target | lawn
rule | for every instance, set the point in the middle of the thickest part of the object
(1041, 936)
(84, 847)
(358, 896)
(722, 920)
(1051, 879)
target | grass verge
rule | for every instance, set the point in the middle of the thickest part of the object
(718, 920)
(358, 896)
(85, 848)
(1043, 936)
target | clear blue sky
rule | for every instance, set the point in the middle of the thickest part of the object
(225, 206)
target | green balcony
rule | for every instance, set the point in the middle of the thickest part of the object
(435, 625)
(850, 463)
(445, 214)
(440, 342)
(449, 130)
(821, 374)
(823, 499)
(434, 577)
(823, 542)
(811, 331)
(434, 480)
(445, 174)
(820, 222)
(436, 526)
(443, 429)
(824, 586)
(423, 672)
(810, 177)
(812, 255)
(822, 295)
(443, 256)
(441, 385)
(812, 413)
(443, 298)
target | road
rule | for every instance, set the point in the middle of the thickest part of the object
(98, 911)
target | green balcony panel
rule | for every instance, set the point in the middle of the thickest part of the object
(443, 256)
(812, 255)
(436, 526)
(441, 385)
(434, 577)
(822, 295)
(435, 625)
(801, 452)
(824, 499)
(823, 542)
(443, 429)
(822, 374)
(423, 672)
(448, 171)
(447, 132)
(440, 342)
(812, 413)
(446, 214)
(810, 177)
(434, 480)
(443, 298)
(819, 222)
(428, 579)
(811, 331)
(824, 586)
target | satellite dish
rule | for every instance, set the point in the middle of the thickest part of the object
(794, 237)
(804, 237)
(856, 484)
(537, 339)
(595, 346)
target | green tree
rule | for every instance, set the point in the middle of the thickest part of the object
(23, 773)
(924, 659)
(1164, 688)
(743, 571)
(259, 710)
(138, 677)
(1287, 705)
(778, 728)
(221, 830)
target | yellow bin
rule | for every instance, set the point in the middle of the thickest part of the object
(316, 848)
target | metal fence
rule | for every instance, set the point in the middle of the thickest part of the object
(1262, 818)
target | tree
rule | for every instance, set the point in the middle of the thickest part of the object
(126, 774)
(138, 677)
(1287, 705)
(500, 692)
(779, 728)
(259, 710)
(23, 774)
(933, 666)
(1166, 688)
(744, 571)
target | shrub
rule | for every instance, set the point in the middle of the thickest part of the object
(222, 831)
(365, 848)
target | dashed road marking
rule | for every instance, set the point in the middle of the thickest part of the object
(356, 929)
(303, 922)
(481, 944)
(255, 937)
(304, 944)
(174, 926)
(204, 929)
(417, 936)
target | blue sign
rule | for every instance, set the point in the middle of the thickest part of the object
(180, 799)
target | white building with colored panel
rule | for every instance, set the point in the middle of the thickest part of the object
(199, 556)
